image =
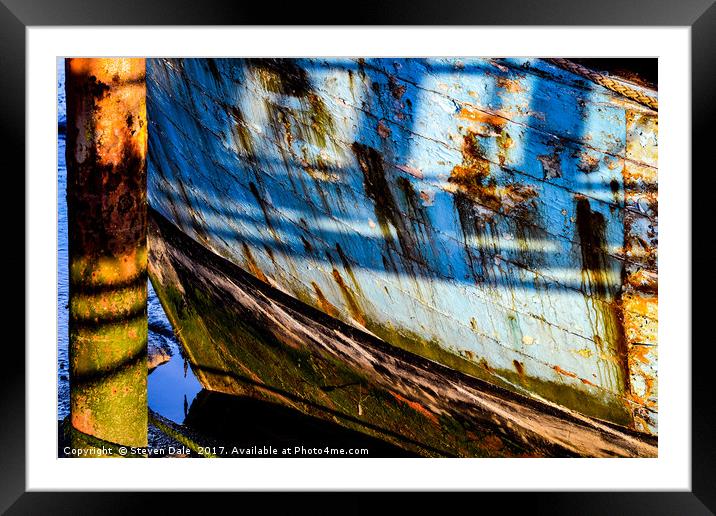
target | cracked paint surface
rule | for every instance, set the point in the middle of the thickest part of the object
(495, 216)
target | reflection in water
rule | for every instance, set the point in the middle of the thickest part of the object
(172, 385)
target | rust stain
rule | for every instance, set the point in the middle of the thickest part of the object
(596, 264)
(643, 399)
(383, 130)
(472, 177)
(476, 194)
(588, 163)
(640, 353)
(482, 117)
(475, 168)
(325, 305)
(240, 132)
(509, 85)
(118, 121)
(427, 198)
(564, 372)
(265, 210)
(107, 146)
(348, 268)
(349, 298)
(504, 144)
(281, 76)
(252, 265)
(107, 221)
(396, 88)
(306, 245)
(644, 280)
(320, 170)
(640, 317)
(417, 407)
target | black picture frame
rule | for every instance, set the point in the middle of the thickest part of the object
(700, 15)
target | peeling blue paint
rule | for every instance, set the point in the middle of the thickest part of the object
(235, 159)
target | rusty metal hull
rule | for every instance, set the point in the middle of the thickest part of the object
(497, 217)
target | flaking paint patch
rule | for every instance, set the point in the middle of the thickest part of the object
(349, 108)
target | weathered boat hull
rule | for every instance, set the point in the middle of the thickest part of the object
(495, 217)
(244, 337)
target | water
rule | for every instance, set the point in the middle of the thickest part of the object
(63, 388)
(172, 386)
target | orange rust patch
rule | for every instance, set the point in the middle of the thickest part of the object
(644, 280)
(649, 388)
(648, 306)
(643, 425)
(251, 264)
(471, 177)
(119, 114)
(509, 85)
(485, 365)
(564, 372)
(417, 407)
(82, 417)
(640, 353)
(481, 117)
(396, 88)
(426, 198)
(474, 169)
(325, 305)
(349, 297)
(588, 163)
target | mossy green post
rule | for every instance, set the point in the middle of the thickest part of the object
(107, 220)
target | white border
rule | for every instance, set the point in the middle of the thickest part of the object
(670, 471)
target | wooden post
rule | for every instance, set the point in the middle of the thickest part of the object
(107, 221)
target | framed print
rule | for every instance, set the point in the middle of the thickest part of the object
(390, 256)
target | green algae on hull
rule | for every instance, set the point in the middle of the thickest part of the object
(602, 407)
